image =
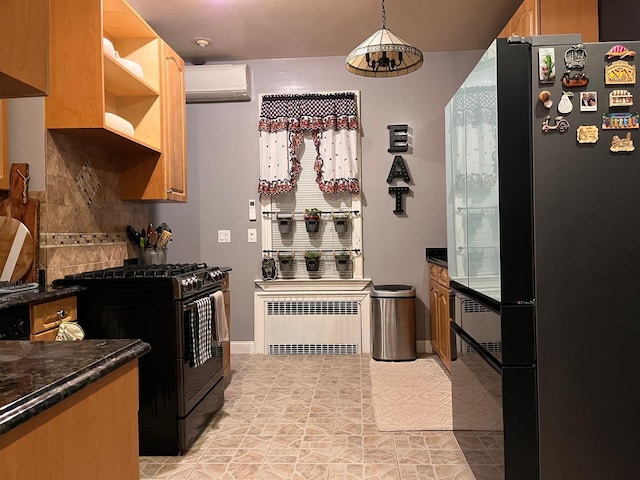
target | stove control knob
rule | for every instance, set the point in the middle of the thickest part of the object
(186, 284)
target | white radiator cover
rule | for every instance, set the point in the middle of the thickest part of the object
(306, 323)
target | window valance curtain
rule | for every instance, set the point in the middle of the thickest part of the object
(332, 120)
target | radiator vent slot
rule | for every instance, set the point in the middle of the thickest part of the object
(471, 306)
(306, 349)
(311, 307)
(488, 346)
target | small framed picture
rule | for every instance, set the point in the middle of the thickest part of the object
(588, 101)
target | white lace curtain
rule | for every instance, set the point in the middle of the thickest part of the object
(332, 120)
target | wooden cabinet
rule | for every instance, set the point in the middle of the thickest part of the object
(47, 316)
(89, 84)
(24, 48)
(91, 434)
(4, 146)
(226, 346)
(439, 309)
(545, 17)
(149, 177)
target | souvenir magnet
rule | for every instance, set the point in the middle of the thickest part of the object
(545, 98)
(587, 134)
(619, 72)
(547, 65)
(564, 105)
(575, 58)
(622, 144)
(620, 98)
(588, 101)
(612, 121)
(562, 124)
(577, 79)
(620, 52)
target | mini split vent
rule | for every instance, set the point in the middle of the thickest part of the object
(312, 327)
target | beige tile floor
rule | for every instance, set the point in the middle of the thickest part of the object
(307, 418)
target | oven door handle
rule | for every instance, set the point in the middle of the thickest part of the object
(477, 347)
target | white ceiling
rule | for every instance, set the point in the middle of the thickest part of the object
(259, 29)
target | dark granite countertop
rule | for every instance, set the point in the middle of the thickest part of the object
(36, 296)
(437, 256)
(34, 376)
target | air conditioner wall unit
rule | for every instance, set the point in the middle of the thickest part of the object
(218, 83)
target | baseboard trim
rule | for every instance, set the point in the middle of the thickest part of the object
(245, 347)
(424, 346)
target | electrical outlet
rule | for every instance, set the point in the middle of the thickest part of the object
(252, 235)
(224, 236)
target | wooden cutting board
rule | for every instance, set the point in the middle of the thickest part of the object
(16, 250)
(24, 209)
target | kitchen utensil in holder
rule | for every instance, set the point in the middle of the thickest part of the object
(152, 256)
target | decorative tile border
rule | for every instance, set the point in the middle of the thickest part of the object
(48, 240)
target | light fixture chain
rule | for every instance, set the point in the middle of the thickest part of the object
(384, 16)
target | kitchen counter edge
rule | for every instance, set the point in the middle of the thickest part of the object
(30, 405)
(36, 296)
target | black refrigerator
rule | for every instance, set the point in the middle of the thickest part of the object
(543, 200)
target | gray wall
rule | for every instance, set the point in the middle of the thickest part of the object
(222, 151)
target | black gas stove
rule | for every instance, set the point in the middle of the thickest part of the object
(155, 303)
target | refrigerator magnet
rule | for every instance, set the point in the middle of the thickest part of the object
(588, 101)
(620, 52)
(622, 144)
(620, 98)
(547, 65)
(620, 72)
(578, 79)
(561, 124)
(575, 58)
(564, 105)
(622, 120)
(545, 98)
(587, 134)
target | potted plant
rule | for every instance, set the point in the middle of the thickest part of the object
(343, 260)
(341, 222)
(284, 223)
(312, 260)
(286, 261)
(312, 219)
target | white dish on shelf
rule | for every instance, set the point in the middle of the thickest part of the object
(133, 67)
(108, 48)
(118, 123)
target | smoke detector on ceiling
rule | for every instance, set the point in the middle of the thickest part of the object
(202, 42)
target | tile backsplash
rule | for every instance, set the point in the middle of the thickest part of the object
(82, 219)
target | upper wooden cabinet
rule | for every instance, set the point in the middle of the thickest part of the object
(149, 177)
(24, 49)
(546, 17)
(89, 81)
(4, 147)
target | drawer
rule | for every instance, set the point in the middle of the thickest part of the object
(48, 336)
(438, 274)
(49, 314)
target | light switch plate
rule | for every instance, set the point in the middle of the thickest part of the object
(252, 236)
(224, 236)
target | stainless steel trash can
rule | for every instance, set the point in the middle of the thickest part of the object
(393, 328)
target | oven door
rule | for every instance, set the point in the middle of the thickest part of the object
(194, 382)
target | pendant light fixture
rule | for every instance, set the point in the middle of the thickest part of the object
(384, 54)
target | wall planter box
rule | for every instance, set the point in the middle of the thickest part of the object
(312, 220)
(341, 223)
(343, 262)
(312, 261)
(284, 224)
(286, 262)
